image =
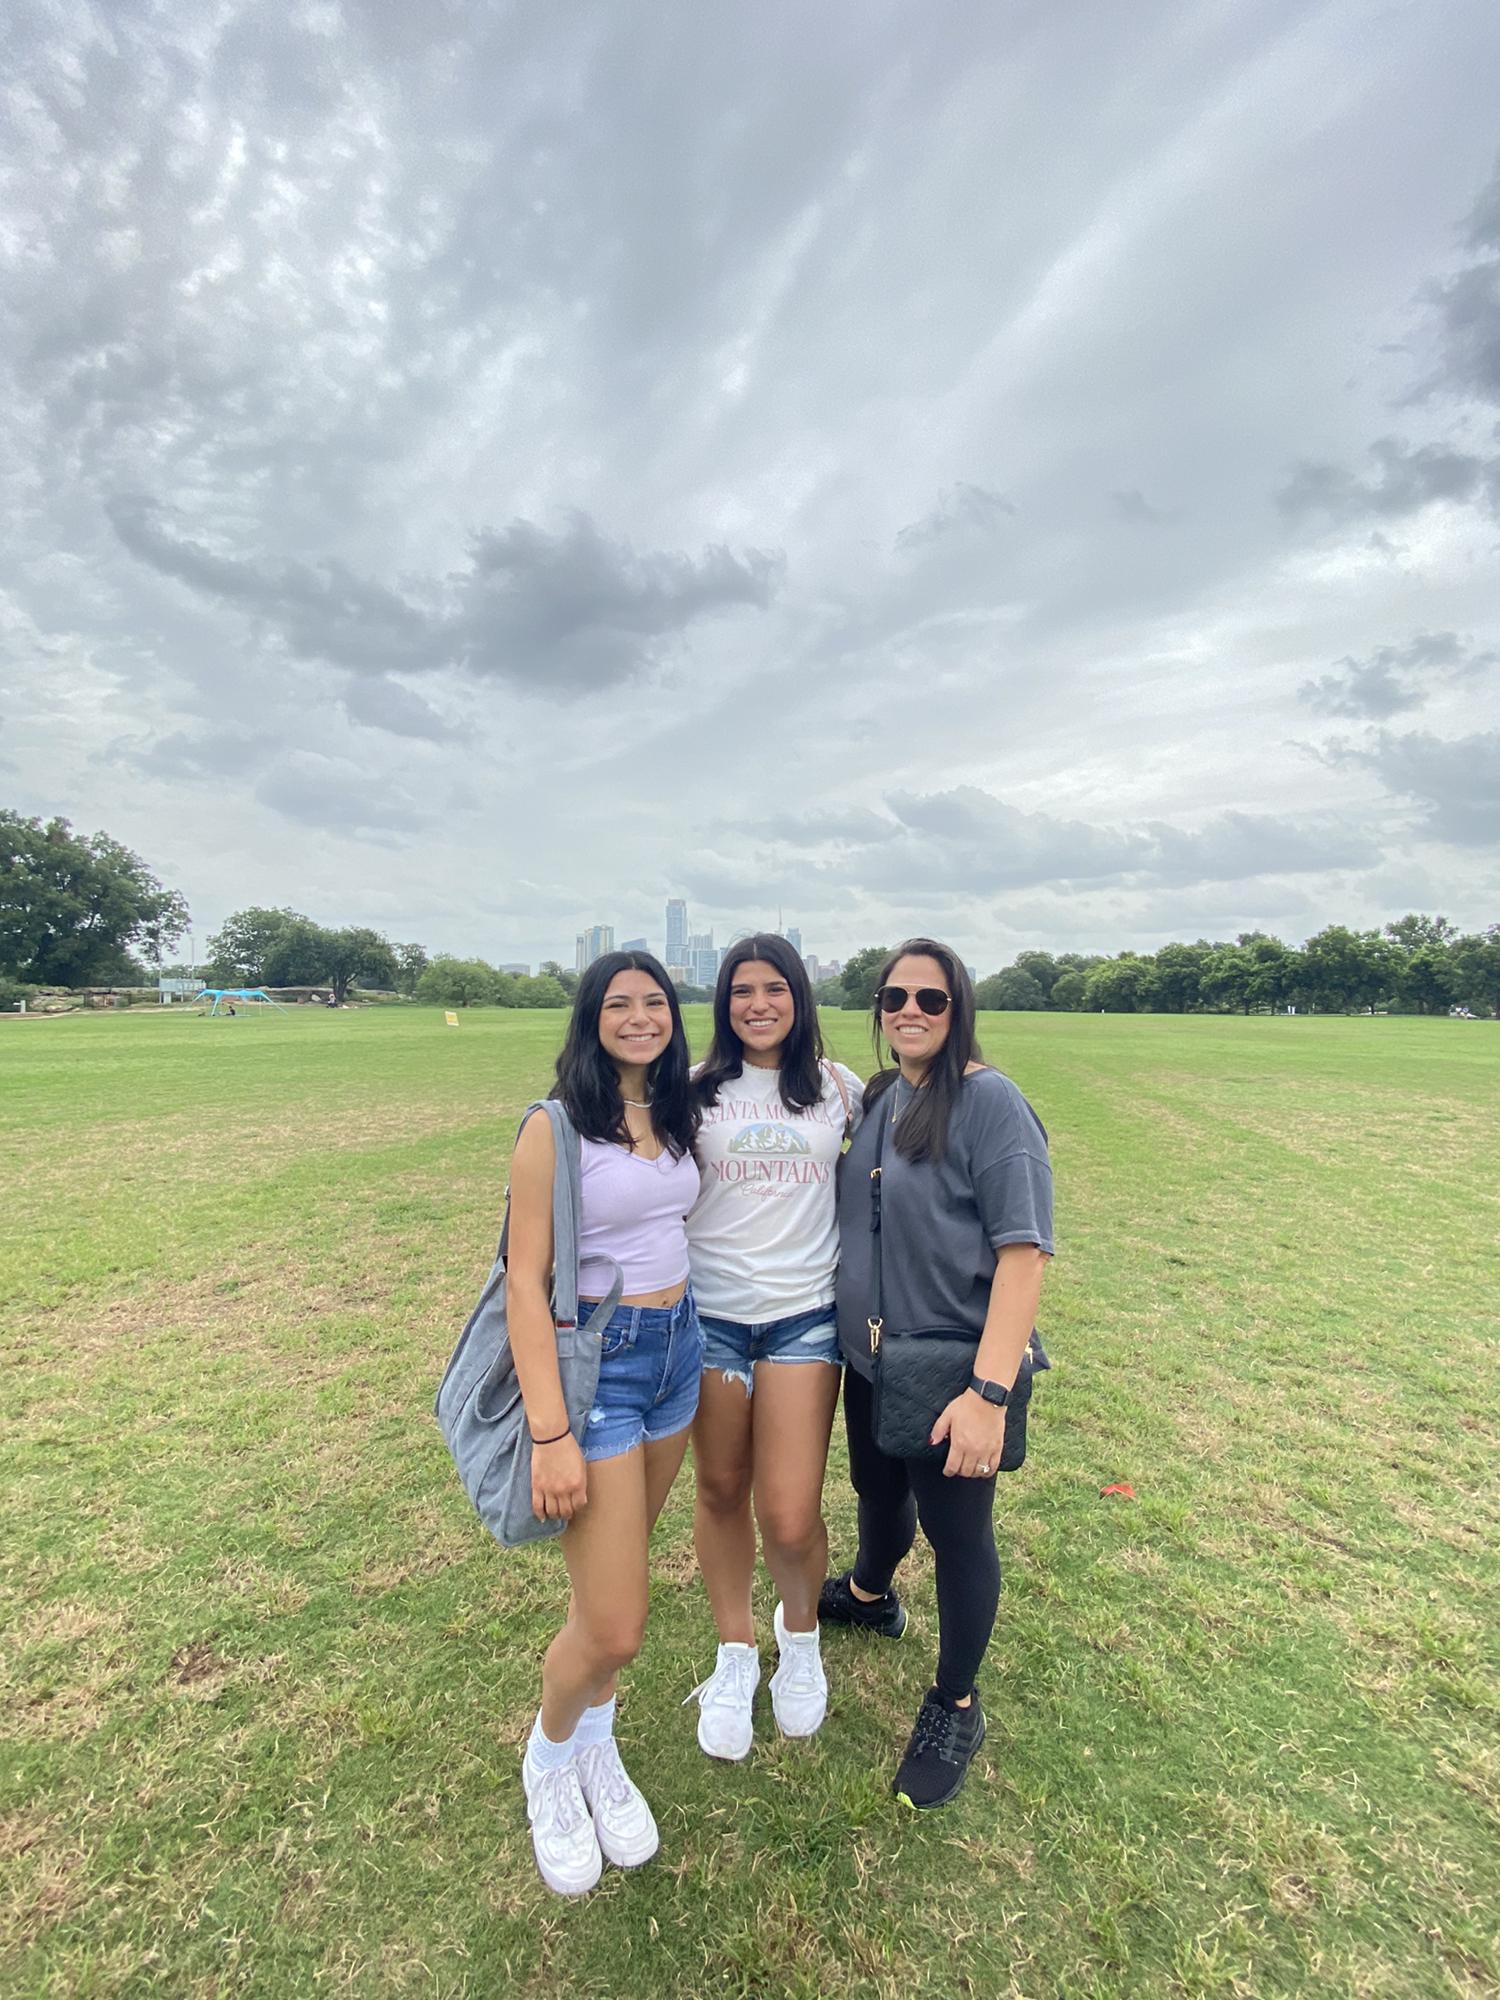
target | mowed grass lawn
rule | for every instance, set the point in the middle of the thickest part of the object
(265, 1680)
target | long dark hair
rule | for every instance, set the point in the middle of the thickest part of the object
(801, 1052)
(921, 1132)
(588, 1084)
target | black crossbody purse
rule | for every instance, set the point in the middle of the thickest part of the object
(919, 1370)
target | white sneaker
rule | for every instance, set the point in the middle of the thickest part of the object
(724, 1702)
(562, 1833)
(799, 1686)
(622, 1819)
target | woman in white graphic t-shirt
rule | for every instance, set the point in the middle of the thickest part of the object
(763, 1242)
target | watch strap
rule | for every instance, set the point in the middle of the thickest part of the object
(992, 1392)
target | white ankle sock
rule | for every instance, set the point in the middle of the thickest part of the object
(546, 1755)
(595, 1725)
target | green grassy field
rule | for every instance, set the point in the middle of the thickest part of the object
(265, 1681)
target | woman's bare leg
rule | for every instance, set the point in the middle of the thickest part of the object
(794, 1404)
(723, 1530)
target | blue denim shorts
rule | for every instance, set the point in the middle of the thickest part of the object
(732, 1346)
(649, 1369)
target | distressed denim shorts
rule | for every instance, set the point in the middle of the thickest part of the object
(733, 1346)
(649, 1369)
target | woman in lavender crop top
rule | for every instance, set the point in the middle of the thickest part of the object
(622, 1077)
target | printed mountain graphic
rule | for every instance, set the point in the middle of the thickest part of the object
(766, 1140)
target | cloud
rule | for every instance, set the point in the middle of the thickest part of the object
(566, 612)
(1468, 307)
(337, 796)
(1457, 780)
(968, 841)
(209, 753)
(964, 508)
(1395, 677)
(1131, 504)
(383, 703)
(1406, 479)
(574, 611)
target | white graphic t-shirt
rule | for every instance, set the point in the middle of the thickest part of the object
(763, 1235)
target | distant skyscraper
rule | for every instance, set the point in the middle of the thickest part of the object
(593, 943)
(635, 944)
(676, 931)
(701, 958)
(814, 970)
(794, 939)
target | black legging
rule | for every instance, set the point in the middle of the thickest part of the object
(896, 1493)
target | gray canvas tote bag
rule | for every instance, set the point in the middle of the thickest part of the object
(479, 1406)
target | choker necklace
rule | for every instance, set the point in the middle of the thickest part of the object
(635, 1103)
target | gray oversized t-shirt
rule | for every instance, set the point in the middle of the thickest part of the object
(941, 1221)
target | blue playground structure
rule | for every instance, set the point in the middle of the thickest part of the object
(225, 996)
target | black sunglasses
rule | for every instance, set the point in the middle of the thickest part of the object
(931, 999)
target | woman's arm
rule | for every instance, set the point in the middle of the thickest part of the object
(975, 1429)
(559, 1479)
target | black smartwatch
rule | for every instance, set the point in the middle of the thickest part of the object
(991, 1391)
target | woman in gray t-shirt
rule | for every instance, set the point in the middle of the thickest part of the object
(965, 1193)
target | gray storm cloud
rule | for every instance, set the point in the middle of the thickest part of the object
(1041, 477)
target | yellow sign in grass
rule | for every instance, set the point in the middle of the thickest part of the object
(451, 1019)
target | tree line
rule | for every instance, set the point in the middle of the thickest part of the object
(83, 910)
(1416, 965)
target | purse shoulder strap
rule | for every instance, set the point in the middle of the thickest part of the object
(882, 1126)
(843, 1090)
(567, 1206)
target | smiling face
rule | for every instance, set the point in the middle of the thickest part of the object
(635, 1020)
(916, 1037)
(762, 1011)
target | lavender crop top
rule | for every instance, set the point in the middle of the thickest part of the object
(635, 1211)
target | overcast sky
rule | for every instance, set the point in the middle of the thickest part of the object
(1023, 469)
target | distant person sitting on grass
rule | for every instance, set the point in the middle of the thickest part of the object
(945, 1224)
(622, 1078)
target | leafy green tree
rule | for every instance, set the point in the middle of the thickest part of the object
(1011, 992)
(1476, 968)
(411, 963)
(1412, 931)
(1068, 993)
(357, 955)
(858, 977)
(1275, 970)
(1179, 969)
(71, 905)
(1224, 977)
(447, 981)
(565, 976)
(539, 989)
(1043, 968)
(1123, 985)
(261, 947)
(1344, 968)
(1427, 979)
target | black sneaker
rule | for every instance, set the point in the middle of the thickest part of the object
(941, 1749)
(837, 1605)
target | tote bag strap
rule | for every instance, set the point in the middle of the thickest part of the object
(843, 1090)
(567, 1208)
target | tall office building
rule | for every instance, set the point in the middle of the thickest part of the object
(701, 959)
(794, 939)
(635, 944)
(593, 943)
(677, 935)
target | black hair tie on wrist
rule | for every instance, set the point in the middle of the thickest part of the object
(557, 1440)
